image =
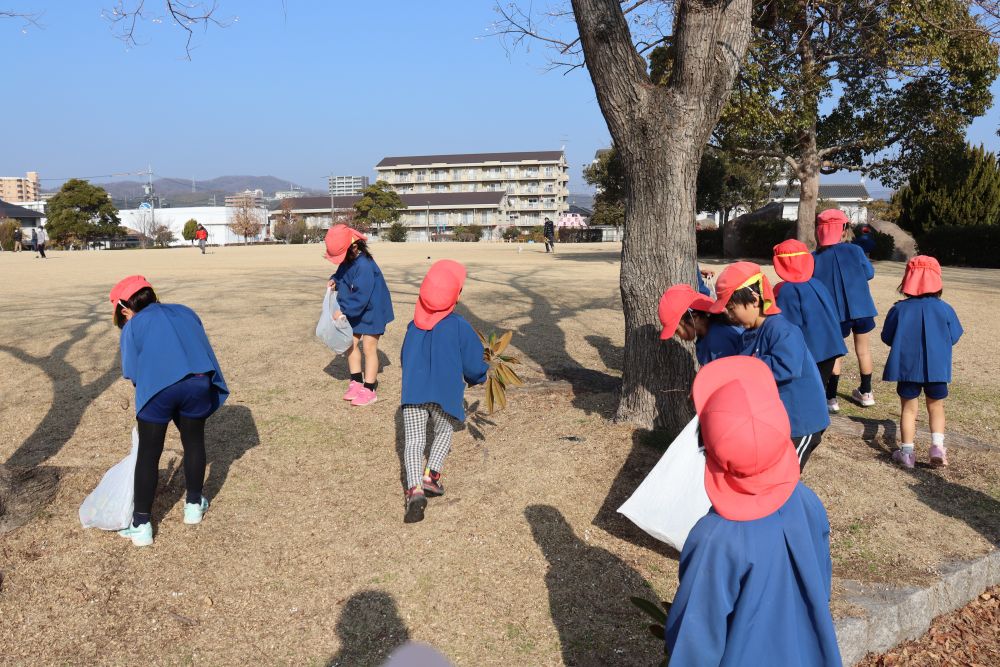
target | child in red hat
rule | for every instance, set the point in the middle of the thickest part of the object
(745, 294)
(845, 271)
(755, 572)
(807, 304)
(166, 354)
(684, 313)
(363, 298)
(920, 331)
(441, 355)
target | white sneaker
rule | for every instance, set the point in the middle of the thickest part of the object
(865, 400)
(141, 536)
(194, 512)
(833, 406)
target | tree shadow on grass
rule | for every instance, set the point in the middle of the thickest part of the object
(978, 510)
(589, 590)
(370, 629)
(70, 395)
(229, 434)
(647, 449)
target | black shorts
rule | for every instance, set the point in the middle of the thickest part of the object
(933, 390)
(862, 325)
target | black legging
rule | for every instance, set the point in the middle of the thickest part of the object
(147, 465)
(806, 445)
(825, 371)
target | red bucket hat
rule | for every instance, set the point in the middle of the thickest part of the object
(793, 261)
(438, 293)
(338, 241)
(923, 276)
(675, 302)
(751, 467)
(830, 226)
(739, 275)
(126, 287)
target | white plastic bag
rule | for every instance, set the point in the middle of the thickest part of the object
(337, 334)
(672, 497)
(109, 506)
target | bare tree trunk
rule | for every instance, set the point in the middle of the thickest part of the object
(808, 175)
(660, 132)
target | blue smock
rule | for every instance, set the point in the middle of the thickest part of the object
(845, 271)
(920, 332)
(702, 287)
(163, 344)
(363, 297)
(779, 344)
(437, 364)
(809, 306)
(756, 592)
(722, 340)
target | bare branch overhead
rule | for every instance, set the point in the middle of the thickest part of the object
(125, 16)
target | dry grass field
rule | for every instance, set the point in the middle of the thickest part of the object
(303, 557)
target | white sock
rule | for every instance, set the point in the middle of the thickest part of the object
(906, 447)
(937, 439)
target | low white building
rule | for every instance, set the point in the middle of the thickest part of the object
(215, 219)
(851, 198)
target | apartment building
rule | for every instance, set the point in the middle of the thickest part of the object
(254, 198)
(345, 186)
(534, 183)
(16, 189)
(426, 214)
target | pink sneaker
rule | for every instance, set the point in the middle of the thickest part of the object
(939, 456)
(352, 390)
(905, 459)
(364, 397)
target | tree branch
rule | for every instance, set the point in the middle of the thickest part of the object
(125, 15)
(29, 18)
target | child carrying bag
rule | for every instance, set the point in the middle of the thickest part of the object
(109, 506)
(672, 497)
(337, 334)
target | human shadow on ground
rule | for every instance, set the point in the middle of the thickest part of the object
(338, 370)
(646, 452)
(589, 590)
(611, 355)
(978, 510)
(71, 396)
(229, 434)
(369, 629)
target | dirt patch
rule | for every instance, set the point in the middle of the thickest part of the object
(24, 492)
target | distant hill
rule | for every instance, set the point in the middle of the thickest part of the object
(177, 192)
(583, 201)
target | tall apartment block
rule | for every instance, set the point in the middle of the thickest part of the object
(15, 189)
(344, 186)
(534, 184)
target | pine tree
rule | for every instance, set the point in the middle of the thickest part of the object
(960, 186)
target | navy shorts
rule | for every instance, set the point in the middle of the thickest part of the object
(862, 325)
(194, 397)
(933, 390)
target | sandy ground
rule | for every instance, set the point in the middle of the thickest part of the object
(304, 559)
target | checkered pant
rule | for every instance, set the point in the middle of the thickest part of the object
(415, 426)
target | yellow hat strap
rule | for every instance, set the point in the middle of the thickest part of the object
(758, 279)
(793, 254)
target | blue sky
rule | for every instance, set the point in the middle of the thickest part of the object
(297, 90)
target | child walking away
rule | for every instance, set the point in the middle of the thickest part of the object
(441, 354)
(684, 313)
(755, 571)
(845, 271)
(166, 354)
(807, 304)
(920, 330)
(746, 296)
(363, 298)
